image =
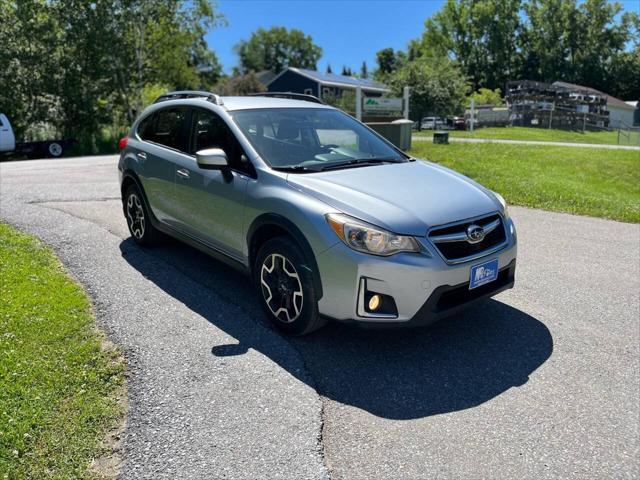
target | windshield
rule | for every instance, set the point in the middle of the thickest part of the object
(312, 139)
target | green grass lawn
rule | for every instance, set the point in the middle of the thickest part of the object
(59, 385)
(542, 135)
(586, 181)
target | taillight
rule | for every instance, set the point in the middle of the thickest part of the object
(122, 143)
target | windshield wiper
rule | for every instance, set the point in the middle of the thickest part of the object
(381, 159)
(354, 162)
(357, 162)
(295, 169)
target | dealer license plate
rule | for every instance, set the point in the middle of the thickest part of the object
(483, 273)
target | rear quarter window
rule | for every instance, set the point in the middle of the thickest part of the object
(145, 128)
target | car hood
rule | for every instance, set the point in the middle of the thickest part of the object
(406, 198)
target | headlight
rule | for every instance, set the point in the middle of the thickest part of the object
(505, 208)
(369, 239)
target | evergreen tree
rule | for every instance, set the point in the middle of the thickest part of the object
(364, 73)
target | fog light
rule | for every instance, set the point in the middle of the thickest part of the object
(374, 303)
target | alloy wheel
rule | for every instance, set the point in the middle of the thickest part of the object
(281, 287)
(135, 216)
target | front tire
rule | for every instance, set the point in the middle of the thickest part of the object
(138, 219)
(285, 287)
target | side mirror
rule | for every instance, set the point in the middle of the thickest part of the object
(212, 159)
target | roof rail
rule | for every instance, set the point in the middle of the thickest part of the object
(289, 95)
(211, 97)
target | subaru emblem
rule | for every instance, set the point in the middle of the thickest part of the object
(475, 233)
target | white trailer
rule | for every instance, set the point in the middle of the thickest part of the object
(45, 148)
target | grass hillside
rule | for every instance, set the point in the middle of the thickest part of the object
(59, 385)
(586, 181)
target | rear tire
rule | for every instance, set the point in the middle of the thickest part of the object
(285, 287)
(136, 213)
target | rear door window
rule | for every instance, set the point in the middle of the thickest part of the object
(169, 128)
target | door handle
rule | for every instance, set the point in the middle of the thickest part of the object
(142, 156)
(183, 172)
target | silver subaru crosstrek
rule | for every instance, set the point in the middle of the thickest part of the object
(329, 219)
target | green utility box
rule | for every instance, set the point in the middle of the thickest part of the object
(441, 137)
(397, 132)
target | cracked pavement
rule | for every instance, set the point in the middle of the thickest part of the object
(541, 382)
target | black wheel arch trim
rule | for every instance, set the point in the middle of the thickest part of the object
(273, 219)
(130, 174)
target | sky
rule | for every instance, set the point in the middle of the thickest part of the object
(349, 31)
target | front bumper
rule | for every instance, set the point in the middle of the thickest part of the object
(446, 300)
(425, 288)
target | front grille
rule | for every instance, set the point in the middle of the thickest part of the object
(454, 245)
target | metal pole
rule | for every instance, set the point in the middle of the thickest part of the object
(359, 102)
(473, 115)
(406, 103)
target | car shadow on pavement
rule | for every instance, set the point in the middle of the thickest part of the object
(458, 363)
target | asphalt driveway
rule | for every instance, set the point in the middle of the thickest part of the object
(541, 382)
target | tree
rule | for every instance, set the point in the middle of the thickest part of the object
(207, 65)
(494, 41)
(388, 62)
(364, 73)
(276, 49)
(582, 43)
(480, 34)
(86, 68)
(484, 96)
(164, 42)
(346, 71)
(549, 41)
(28, 75)
(329, 68)
(346, 101)
(438, 86)
(601, 41)
(625, 69)
(240, 85)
